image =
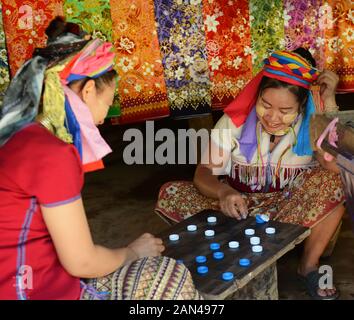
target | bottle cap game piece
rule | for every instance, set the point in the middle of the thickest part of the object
(255, 240)
(174, 237)
(233, 244)
(214, 246)
(192, 227)
(211, 219)
(270, 230)
(257, 248)
(209, 233)
(262, 218)
(218, 255)
(249, 232)
(227, 276)
(202, 269)
(244, 262)
(200, 259)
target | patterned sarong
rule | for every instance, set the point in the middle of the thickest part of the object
(314, 195)
(158, 278)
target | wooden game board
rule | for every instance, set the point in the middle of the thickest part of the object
(192, 244)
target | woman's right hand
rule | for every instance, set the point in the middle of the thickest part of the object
(147, 246)
(231, 203)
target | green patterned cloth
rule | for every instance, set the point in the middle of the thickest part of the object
(267, 30)
(4, 66)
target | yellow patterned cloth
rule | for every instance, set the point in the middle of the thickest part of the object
(141, 88)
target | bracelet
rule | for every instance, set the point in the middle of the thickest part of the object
(331, 109)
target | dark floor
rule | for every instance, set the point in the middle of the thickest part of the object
(120, 199)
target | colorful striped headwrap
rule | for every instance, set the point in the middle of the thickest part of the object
(288, 67)
(64, 113)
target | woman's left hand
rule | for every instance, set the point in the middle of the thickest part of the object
(328, 82)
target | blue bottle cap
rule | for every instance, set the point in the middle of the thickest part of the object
(200, 259)
(244, 262)
(227, 276)
(202, 269)
(259, 219)
(214, 246)
(218, 255)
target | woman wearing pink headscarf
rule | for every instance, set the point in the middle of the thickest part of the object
(48, 138)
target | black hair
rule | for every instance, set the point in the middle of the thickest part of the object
(101, 82)
(300, 92)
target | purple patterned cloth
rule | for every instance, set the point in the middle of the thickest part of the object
(182, 44)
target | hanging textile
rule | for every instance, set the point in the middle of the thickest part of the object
(141, 87)
(182, 43)
(4, 66)
(267, 30)
(303, 28)
(338, 21)
(25, 24)
(228, 47)
(93, 16)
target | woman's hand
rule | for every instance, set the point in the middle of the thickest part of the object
(146, 246)
(231, 203)
(328, 82)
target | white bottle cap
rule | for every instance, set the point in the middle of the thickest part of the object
(257, 248)
(233, 244)
(192, 227)
(209, 233)
(270, 230)
(249, 232)
(211, 219)
(255, 240)
(174, 237)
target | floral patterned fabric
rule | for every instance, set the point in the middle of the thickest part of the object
(25, 24)
(304, 27)
(153, 278)
(4, 66)
(182, 43)
(267, 30)
(338, 21)
(141, 88)
(94, 16)
(312, 197)
(228, 47)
